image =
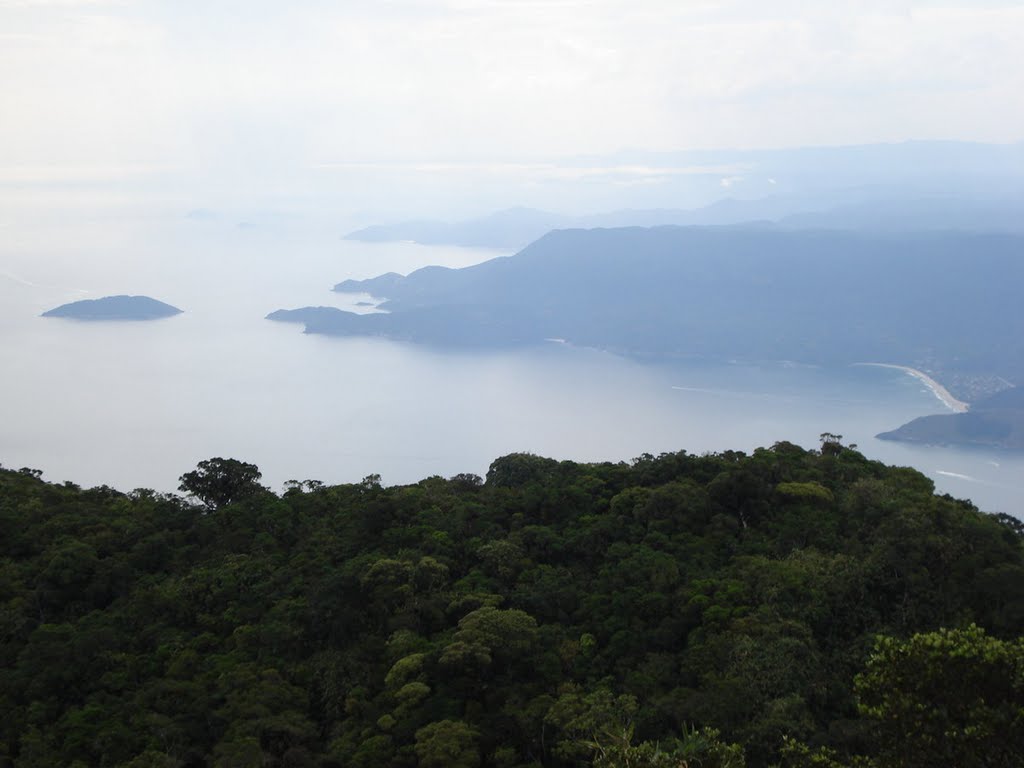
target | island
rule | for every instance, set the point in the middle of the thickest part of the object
(115, 308)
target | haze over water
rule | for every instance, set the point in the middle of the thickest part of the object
(137, 404)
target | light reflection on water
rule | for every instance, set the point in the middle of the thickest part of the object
(136, 405)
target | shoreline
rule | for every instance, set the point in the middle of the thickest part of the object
(943, 394)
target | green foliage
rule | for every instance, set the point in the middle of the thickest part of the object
(592, 724)
(502, 633)
(809, 492)
(951, 697)
(218, 482)
(447, 744)
(677, 611)
(798, 755)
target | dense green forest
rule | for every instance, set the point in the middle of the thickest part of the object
(789, 607)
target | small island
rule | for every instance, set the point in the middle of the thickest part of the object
(115, 308)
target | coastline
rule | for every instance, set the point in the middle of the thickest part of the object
(957, 406)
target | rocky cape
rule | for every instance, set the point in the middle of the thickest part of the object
(994, 422)
(115, 308)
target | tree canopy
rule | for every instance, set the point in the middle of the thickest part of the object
(786, 607)
(218, 482)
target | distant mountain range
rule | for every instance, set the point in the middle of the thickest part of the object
(906, 185)
(516, 227)
(906, 253)
(114, 308)
(837, 175)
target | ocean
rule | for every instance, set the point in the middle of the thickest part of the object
(137, 404)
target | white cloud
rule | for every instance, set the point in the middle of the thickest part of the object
(57, 3)
(76, 174)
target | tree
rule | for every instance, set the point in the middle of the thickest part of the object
(217, 482)
(599, 726)
(697, 749)
(796, 754)
(831, 444)
(505, 634)
(520, 469)
(951, 697)
(447, 744)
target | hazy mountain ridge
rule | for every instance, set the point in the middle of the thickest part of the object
(917, 214)
(515, 228)
(917, 168)
(942, 301)
(907, 185)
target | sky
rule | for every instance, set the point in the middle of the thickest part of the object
(254, 91)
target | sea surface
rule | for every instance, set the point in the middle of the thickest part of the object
(137, 404)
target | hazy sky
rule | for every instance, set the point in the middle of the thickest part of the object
(102, 88)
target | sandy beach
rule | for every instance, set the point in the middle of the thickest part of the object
(957, 406)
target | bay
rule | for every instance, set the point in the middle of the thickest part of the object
(137, 404)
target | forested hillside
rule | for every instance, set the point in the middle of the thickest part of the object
(717, 610)
(946, 302)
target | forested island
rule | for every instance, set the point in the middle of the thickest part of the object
(115, 308)
(789, 607)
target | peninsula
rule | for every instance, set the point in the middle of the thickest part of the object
(825, 297)
(947, 302)
(996, 421)
(943, 394)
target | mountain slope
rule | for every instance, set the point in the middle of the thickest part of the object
(506, 621)
(946, 301)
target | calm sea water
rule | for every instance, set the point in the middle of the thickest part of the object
(137, 404)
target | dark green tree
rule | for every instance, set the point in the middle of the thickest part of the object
(447, 744)
(951, 697)
(217, 482)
